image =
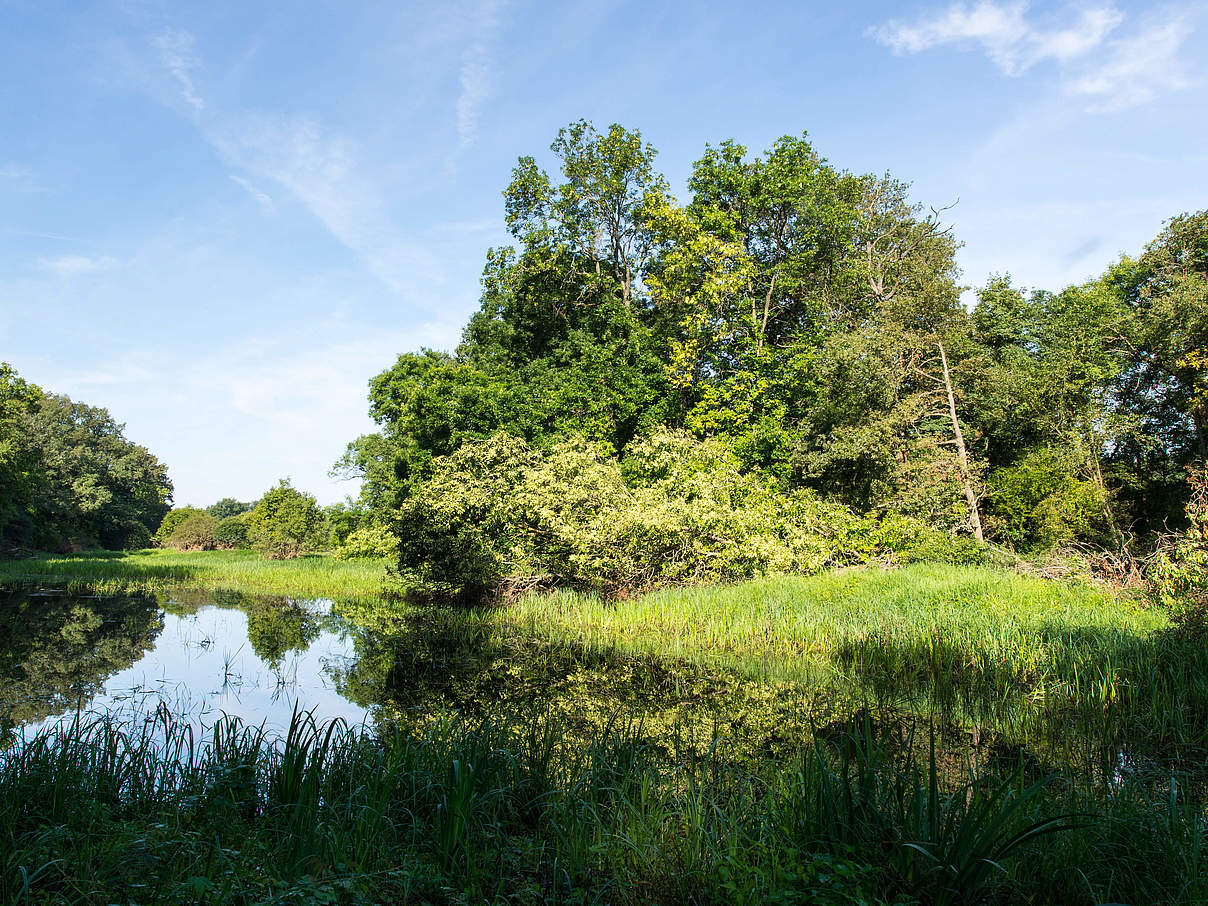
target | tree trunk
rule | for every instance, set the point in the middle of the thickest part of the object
(767, 308)
(962, 452)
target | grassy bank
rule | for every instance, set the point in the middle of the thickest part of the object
(1076, 674)
(508, 811)
(99, 572)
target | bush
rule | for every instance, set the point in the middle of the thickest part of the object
(231, 533)
(368, 542)
(172, 521)
(1040, 503)
(285, 523)
(1178, 571)
(139, 538)
(497, 517)
(196, 533)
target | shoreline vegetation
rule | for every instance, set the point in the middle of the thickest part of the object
(152, 569)
(868, 735)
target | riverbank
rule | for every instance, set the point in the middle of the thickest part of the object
(107, 572)
(870, 735)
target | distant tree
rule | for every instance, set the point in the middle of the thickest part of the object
(286, 522)
(92, 486)
(342, 520)
(18, 461)
(228, 506)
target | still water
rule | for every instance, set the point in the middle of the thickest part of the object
(201, 654)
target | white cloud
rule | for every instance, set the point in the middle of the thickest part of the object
(176, 52)
(477, 78)
(1116, 74)
(999, 29)
(1003, 31)
(1137, 69)
(77, 265)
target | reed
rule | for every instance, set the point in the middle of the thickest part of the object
(509, 809)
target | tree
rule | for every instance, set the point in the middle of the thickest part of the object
(92, 486)
(227, 507)
(594, 222)
(18, 461)
(1165, 335)
(285, 522)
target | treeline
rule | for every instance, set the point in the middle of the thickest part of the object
(69, 478)
(804, 326)
(283, 524)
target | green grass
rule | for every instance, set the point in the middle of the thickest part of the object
(988, 707)
(1074, 672)
(508, 811)
(318, 575)
(792, 625)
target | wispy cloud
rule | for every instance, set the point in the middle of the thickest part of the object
(1115, 72)
(477, 77)
(998, 29)
(177, 54)
(312, 164)
(1137, 69)
(262, 198)
(16, 178)
(77, 265)
(324, 173)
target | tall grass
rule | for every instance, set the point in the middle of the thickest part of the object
(1070, 670)
(508, 810)
(102, 572)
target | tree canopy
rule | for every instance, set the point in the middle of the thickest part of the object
(69, 476)
(810, 321)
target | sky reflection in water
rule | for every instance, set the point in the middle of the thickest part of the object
(243, 656)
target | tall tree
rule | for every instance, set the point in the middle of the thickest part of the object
(594, 222)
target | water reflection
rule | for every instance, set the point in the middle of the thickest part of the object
(201, 654)
(56, 651)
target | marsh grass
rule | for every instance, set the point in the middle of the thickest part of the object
(509, 809)
(1013, 740)
(1068, 667)
(110, 572)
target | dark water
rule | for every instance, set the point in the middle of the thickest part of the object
(201, 654)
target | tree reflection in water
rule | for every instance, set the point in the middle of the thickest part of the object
(58, 650)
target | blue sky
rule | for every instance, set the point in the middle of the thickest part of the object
(219, 220)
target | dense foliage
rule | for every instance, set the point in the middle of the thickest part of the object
(285, 523)
(499, 516)
(806, 324)
(69, 477)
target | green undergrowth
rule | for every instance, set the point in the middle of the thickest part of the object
(518, 810)
(102, 572)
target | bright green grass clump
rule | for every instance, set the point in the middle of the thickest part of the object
(791, 624)
(1065, 665)
(99, 572)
